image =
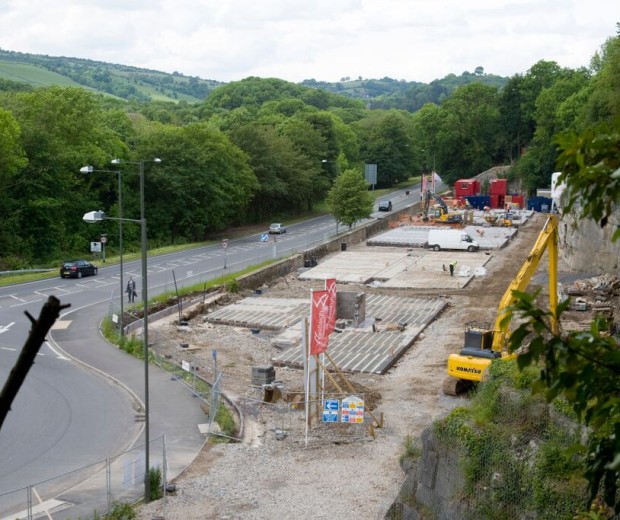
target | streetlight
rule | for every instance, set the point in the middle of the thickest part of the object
(147, 484)
(89, 169)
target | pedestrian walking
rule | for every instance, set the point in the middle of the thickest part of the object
(131, 290)
(452, 265)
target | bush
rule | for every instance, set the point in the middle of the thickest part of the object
(156, 486)
(120, 511)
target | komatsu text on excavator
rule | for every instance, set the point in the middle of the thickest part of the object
(483, 344)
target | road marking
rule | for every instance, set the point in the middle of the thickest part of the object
(4, 328)
(58, 354)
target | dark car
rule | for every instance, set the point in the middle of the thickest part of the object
(77, 269)
(385, 205)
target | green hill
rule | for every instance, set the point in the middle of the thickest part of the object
(117, 80)
(134, 83)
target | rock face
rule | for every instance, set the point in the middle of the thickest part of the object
(586, 247)
(430, 485)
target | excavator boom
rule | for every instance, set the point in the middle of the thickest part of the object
(471, 363)
(547, 240)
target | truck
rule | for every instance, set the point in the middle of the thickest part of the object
(451, 239)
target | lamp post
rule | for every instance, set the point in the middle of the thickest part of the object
(89, 169)
(147, 483)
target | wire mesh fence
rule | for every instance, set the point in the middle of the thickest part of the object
(89, 491)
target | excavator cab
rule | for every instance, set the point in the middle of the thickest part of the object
(469, 365)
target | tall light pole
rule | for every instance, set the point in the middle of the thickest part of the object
(90, 169)
(145, 333)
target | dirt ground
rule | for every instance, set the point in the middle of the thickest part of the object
(327, 472)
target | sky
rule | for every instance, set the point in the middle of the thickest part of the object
(325, 40)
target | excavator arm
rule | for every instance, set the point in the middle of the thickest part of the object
(470, 365)
(427, 201)
(547, 239)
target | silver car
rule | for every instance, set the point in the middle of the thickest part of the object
(277, 228)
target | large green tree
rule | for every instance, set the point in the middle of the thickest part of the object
(386, 138)
(61, 129)
(203, 183)
(285, 175)
(349, 200)
(468, 137)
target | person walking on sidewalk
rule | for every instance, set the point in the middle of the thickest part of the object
(131, 290)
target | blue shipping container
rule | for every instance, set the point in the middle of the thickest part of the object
(479, 201)
(541, 204)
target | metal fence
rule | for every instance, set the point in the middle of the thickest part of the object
(87, 491)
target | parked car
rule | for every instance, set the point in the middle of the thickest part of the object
(77, 269)
(277, 228)
(386, 205)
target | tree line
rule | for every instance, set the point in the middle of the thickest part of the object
(263, 149)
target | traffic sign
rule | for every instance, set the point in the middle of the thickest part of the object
(264, 237)
(331, 404)
(104, 239)
(225, 243)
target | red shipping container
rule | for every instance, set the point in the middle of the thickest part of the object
(498, 187)
(518, 199)
(466, 188)
(494, 201)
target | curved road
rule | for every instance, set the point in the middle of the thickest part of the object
(65, 416)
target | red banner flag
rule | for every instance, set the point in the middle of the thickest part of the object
(319, 332)
(330, 287)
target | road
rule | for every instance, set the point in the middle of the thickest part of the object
(66, 416)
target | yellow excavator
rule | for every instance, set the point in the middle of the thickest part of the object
(440, 213)
(483, 344)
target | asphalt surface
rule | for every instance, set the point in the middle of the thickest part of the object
(173, 411)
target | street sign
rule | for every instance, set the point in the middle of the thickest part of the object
(104, 239)
(95, 247)
(331, 404)
(370, 173)
(225, 243)
(264, 237)
(330, 410)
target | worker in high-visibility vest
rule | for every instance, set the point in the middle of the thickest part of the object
(452, 266)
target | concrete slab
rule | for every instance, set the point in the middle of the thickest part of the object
(399, 268)
(417, 236)
(262, 313)
(375, 350)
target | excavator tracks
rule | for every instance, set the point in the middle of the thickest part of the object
(453, 386)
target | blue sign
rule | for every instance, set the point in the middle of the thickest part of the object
(264, 237)
(331, 404)
(330, 417)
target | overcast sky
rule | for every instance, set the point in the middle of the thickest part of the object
(326, 40)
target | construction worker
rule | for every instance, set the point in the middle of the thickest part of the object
(452, 265)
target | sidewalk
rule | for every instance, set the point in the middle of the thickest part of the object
(173, 411)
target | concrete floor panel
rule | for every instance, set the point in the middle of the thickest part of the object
(375, 350)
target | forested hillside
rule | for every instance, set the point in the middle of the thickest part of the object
(133, 83)
(262, 149)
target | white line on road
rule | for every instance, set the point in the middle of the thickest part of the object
(58, 354)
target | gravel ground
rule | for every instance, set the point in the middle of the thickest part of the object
(337, 473)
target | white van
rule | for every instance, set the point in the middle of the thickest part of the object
(451, 239)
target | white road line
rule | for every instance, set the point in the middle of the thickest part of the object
(58, 354)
